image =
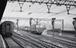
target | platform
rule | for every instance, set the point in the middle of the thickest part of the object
(2, 43)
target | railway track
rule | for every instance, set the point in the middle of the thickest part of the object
(10, 43)
(21, 42)
(64, 42)
(28, 40)
(68, 38)
(61, 41)
(18, 43)
(42, 44)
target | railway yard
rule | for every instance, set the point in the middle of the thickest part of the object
(35, 24)
(24, 39)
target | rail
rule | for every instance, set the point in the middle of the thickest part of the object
(60, 40)
(40, 43)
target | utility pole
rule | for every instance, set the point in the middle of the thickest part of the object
(53, 22)
(17, 24)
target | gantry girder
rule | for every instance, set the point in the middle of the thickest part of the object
(67, 3)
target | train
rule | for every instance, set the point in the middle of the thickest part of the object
(6, 28)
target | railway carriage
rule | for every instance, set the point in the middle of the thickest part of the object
(7, 27)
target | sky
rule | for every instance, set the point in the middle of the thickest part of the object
(39, 11)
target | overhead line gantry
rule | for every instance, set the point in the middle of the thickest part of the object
(49, 3)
